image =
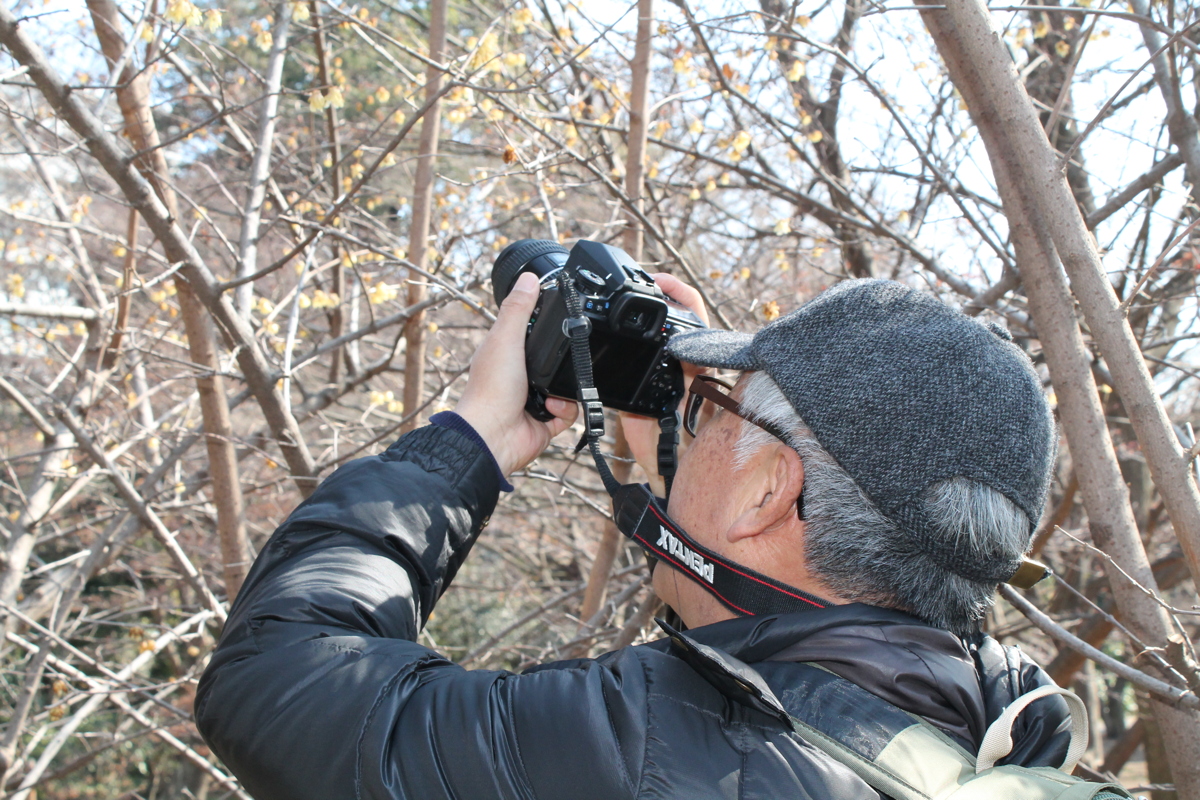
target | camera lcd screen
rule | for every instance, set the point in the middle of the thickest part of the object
(618, 367)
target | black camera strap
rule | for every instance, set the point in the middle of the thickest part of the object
(641, 517)
(578, 328)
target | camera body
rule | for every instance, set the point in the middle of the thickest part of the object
(631, 321)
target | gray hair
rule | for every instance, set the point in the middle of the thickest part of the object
(859, 553)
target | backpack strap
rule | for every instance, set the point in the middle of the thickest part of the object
(997, 742)
(895, 752)
(943, 765)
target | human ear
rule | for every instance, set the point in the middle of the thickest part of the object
(773, 503)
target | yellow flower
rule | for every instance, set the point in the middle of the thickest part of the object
(300, 11)
(316, 102)
(696, 127)
(304, 302)
(796, 71)
(334, 98)
(1041, 29)
(16, 285)
(212, 20)
(815, 136)
(486, 50)
(388, 161)
(382, 293)
(770, 310)
(520, 18)
(1062, 48)
(783, 227)
(514, 60)
(264, 40)
(741, 142)
(322, 300)
(179, 11)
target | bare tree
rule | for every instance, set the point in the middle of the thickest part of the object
(243, 246)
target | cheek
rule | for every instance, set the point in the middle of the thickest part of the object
(700, 488)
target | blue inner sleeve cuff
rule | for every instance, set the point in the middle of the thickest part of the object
(448, 419)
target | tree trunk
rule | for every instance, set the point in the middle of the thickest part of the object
(982, 71)
(260, 166)
(633, 237)
(635, 163)
(418, 237)
(337, 313)
(133, 96)
(1038, 173)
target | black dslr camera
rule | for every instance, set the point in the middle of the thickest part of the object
(631, 321)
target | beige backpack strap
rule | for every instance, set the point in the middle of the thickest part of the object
(997, 742)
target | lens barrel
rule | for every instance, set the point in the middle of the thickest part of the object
(515, 257)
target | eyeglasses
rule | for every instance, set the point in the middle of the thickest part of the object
(706, 387)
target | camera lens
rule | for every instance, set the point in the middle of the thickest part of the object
(540, 256)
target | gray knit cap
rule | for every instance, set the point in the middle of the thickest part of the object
(904, 391)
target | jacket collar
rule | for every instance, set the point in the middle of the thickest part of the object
(762, 638)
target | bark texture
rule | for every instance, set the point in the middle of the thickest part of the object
(1046, 239)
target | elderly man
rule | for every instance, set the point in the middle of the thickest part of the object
(881, 458)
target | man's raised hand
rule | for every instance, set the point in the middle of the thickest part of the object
(494, 399)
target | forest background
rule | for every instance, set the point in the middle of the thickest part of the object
(244, 243)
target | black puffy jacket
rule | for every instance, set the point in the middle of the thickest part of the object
(318, 689)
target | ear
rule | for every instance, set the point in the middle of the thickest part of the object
(775, 485)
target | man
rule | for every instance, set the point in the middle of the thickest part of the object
(917, 455)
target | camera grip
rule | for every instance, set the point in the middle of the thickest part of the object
(536, 406)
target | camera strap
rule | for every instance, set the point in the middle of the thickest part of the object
(641, 517)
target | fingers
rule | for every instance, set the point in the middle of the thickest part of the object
(564, 411)
(682, 293)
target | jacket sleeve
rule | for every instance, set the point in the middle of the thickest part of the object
(317, 689)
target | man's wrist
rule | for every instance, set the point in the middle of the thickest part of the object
(457, 422)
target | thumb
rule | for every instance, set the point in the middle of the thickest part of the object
(516, 308)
